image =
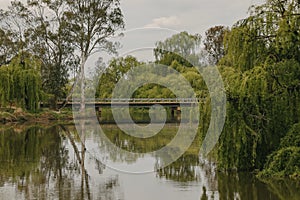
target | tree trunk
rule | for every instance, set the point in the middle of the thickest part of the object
(82, 83)
(71, 91)
(80, 77)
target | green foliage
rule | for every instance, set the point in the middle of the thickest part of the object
(213, 43)
(292, 138)
(262, 93)
(286, 160)
(263, 104)
(20, 83)
(7, 46)
(26, 28)
(261, 70)
(108, 77)
(61, 34)
(242, 50)
(117, 68)
(270, 33)
(182, 47)
(283, 163)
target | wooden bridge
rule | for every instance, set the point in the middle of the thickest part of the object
(133, 102)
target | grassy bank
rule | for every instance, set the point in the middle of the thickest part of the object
(12, 115)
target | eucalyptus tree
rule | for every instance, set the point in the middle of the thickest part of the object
(91, 23)
(63, 34)
(13, 23)
(7, 47)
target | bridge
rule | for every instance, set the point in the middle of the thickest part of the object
(133, 102)
(174, 104)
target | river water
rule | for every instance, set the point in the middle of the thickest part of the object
(56, 162)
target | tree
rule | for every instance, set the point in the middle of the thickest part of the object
(20, 82)
(213, 43)
(115, 70)
(6, 47)
(269, 34)
(261, 74)
(183, 47)
(285, 160)
(39, 27)
(51, 42)
(12, 32)
(55, 31)
(91, 23)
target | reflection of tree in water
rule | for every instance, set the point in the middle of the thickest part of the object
(32, 152)
(39, 162)
(111, 139)
(285, 189)
(243, 186)
(42, 163)
(184, 169)
(107, 191)
(139, 145)
(204, 195)
(190, 167)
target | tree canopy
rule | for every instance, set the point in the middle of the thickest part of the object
(20, 82)
(183, 47)
(62, 34)
(213, 43)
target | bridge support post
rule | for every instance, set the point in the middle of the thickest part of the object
(176, 110)
(98, 111)
(172, 113)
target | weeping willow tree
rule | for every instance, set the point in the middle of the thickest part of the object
(261, 71)
(20, 83)
(263, 103)
(271, 32)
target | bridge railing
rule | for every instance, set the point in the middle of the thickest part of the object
(137, 100)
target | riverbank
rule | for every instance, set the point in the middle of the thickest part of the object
(17, 115)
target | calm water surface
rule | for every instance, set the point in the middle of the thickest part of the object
(56, 162)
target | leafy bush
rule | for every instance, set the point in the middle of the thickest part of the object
(285, 161)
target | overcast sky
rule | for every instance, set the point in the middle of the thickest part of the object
(143, 17)
(194, 16)
(191, 15)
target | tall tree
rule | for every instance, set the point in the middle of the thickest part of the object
(213, 43)
(12, 31)
(39, 27)
(91, 23)
(262, 79)
(62, 34)
(51, 42)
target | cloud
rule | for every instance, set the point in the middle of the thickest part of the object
(166, 22)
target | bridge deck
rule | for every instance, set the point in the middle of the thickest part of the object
(134, 102)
